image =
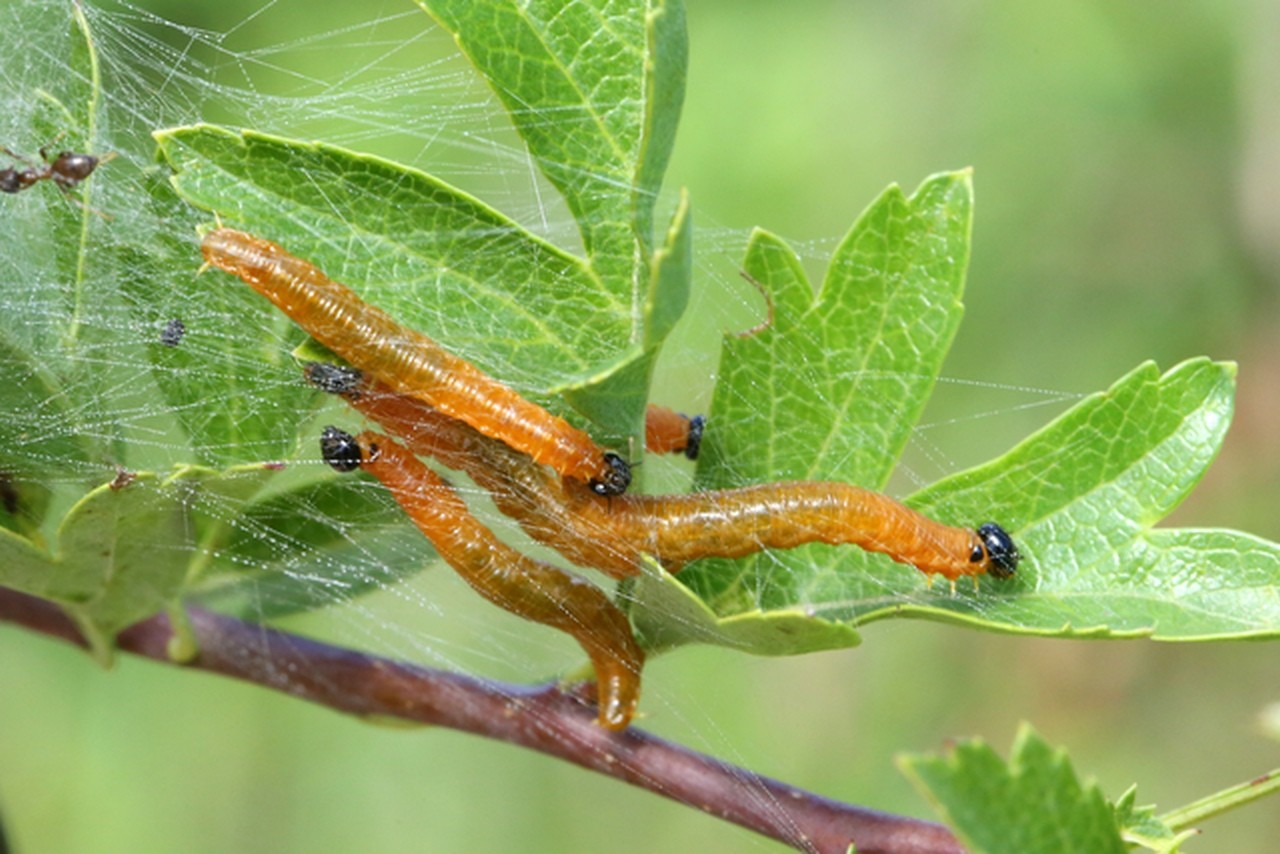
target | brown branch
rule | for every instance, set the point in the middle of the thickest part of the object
(541, 718)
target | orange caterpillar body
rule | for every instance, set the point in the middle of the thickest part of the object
(612, 535)
(409, 361)
(526, 587)
(669, 432)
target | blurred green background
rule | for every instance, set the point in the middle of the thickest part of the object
(1127, 162)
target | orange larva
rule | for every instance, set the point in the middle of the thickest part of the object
(410, 362)
(526, 587)
(669, 432)
(613, 535)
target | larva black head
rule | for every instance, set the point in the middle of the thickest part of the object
(1001, 551)
(693, 443)
(340, 449)
(333, 379)
(618, 479)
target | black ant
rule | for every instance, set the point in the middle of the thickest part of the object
(66, 170)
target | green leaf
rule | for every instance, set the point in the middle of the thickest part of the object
(443, 262)
(1140, 826)
(670, 278)
(616, 400)
(666, 63)
(437, 259)
(595, 90)
(1035, 803)
(833, 388)
(121, 554)
(1081, 497)
(831, 391)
